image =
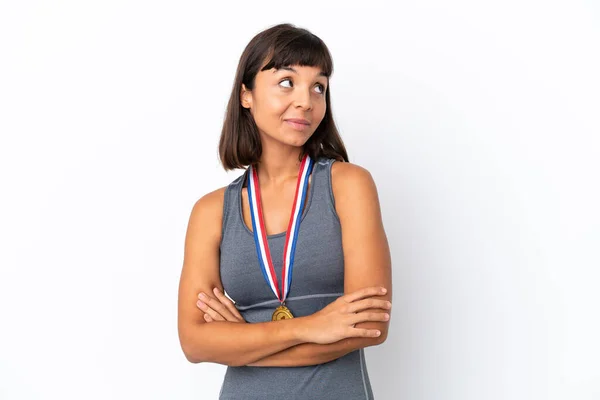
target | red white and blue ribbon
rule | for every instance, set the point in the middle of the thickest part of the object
(260, 235)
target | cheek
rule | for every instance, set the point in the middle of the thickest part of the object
(278, 105)
(322, 109)
(268, 116)
(272, 107)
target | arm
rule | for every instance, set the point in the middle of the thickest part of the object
(235, 344)
(226, 343)
(306, 354)
(367, 262)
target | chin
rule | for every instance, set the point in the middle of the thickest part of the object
(294, 143)
(290, 137)
(295, 139)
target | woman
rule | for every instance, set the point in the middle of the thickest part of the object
(309, 315)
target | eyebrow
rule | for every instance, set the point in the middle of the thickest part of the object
(294, 71)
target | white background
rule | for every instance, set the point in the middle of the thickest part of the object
(478, 120)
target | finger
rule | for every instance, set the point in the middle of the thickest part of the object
(208, 318)
(369, 303)
(365, 292)
(218, 307)
(224, 308)
(208, 310)
(228, 303)
(359, 332)
(368, 316)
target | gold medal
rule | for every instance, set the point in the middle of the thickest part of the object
(282, 312)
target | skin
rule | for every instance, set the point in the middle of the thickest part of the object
(278, 95)
(290, 92)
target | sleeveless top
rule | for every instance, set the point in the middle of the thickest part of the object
(317, 280)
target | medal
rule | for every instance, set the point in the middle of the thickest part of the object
(260, 235)
(282, 312)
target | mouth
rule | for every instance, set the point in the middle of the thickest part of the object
(298, 124)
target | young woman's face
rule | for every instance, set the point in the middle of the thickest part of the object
(282, 96)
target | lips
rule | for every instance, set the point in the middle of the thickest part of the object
(301, 126)
(298, 121)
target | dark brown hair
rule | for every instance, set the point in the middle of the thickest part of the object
(277, 46)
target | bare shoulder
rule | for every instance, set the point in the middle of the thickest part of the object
(209, 208)
(204, 226)
(350, 180)
(210, 203)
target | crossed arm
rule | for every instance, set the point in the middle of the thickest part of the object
(311, 353)
(367, 262)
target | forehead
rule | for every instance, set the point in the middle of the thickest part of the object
(298, 70)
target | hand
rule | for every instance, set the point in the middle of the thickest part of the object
(336, 321)
(221, 309)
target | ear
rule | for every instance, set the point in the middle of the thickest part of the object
(245, 97)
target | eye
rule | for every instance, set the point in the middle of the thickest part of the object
(290, 80)
(286, 79)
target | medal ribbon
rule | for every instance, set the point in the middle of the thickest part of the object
(260, 234)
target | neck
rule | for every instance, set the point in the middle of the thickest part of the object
(277, 165)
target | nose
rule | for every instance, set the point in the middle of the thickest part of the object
(303, 99)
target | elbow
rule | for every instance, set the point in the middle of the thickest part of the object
(374, 340)
(235, 363)
(192, 350)
(382, 338)
(384, 334)
(192, 359)
(196, 350)
(191, 355)
(194, 356)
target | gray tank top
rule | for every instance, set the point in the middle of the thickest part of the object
(317, 280)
